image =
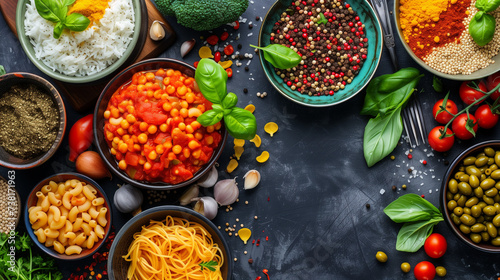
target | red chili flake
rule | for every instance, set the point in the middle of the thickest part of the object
(224, 36)
(229, 72)
(267, 238)
(258, 242)
(236, 25)
(229, 50)
(410, 156)
(422, 196)
(258, 278)
(253, 241)
(424, 162)
(265, 271)
(212, 40)
(217, 56)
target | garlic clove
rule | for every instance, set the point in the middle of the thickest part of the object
(252, 179)
(226, 191)
(187, 46)
(189, 194)
(207, 206)
(208, 180)
(157, 32)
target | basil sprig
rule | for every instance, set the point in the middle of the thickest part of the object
(419, 217)
(211, 79)
(57, 11)
(386, 96)
(280, 56)
(482, 25)
(2, 70)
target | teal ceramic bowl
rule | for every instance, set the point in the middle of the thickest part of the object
(128, 57)
(373, 33)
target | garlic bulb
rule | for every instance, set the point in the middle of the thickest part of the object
(127, 199)
(252, 179)
(206, 206)
(189, 194)
(187, 46)
(156, 32)
(208, 180)
(226, 191)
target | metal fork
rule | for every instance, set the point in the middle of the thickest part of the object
(413, 121)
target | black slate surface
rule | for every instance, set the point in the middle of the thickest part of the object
(314, 188)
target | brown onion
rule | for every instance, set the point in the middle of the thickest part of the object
(90, 163)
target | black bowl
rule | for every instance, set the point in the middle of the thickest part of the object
(118, 267)
(100, 141)
(495, 144)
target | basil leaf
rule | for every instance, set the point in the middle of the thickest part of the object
(217, 107)
(2, 70)
(68, 2)
(77, 22)
(410, 208)
(241, 124)
(229, 101)
(211, 79)
(411, 236)
(437, 84)
(58, 29)
(210, 117)
(51, 10)
(487, 5)
(381, 136)
(482, 28)
(386, 92)
(279, 56)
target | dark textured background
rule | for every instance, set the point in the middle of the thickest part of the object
(316, 179)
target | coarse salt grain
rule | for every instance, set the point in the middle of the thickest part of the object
(382, 191)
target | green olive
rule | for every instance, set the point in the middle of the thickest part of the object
(497, 159)
(469, 160)
(451, 205)
(467, 219)
(405, 267)
(481, 161)
(495, 241)
(465, 229)
(381, 256)
(487, 171)
(482, 169)
(485, 236)
(497, 198)
(473, 181)
(461, 201)
(483, 177)
(492, 230)
(458, 174)
(475, 237)
(457, 196)
(478, 192)
(482, 204)
(491, 192)
(464, 188)
(491, 161)
(484, 218)
(493, 167)
(487, 183)
(455, 219)
(487, 199)
(464, 178)
(489, 210)
(496, 220)
(458, 211)
(472, 201)
(476, 211)
(441, 271)
(472, 170)
(497, 206)
(477, 228)
(489, 151)
(467, 211)
(453, 186)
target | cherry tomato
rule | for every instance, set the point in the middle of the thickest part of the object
(485, 118)
(229, 50)
(491, 82)
(224, 36)
(444, 117)
(469, 95)
(424, 271)
(212, 40)
(435, 245)
(440, 145)
(80, 136)
(236, 25)
(217, 56)
(229, 72)
(459, 126)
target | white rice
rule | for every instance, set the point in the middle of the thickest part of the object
(82, 53)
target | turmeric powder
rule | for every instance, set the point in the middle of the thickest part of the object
(414, 14)
(93, 9)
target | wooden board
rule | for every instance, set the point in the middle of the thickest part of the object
(83, 96)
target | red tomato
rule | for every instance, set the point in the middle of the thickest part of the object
(217, 56)
(424, 271)
(212, 40)
(236, 25)
(459, 126)
(224, 36)
(440, 145)
(435, 245)
(444, 117)
(229, 50)
(486, 118)
(469, 95)
(80, 136)
(491, 82)
(229, 72)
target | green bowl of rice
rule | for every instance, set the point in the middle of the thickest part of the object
(87, 56)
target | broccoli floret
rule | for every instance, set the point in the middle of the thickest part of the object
(203, 14)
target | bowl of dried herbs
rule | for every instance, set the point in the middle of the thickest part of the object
(32, 120)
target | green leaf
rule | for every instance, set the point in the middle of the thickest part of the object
(58, 29)
(482, 28)
(2, 70)
(386, 92)
(322, 19)
(211, 79)
(217, 107)
(51, 10)
(410, 208)
(208, 265)
(229, 101)
(77, 22)
(411, 236)
(280, 56)
(241, 124)
(381, 136)
(437, 84)
(442, 108)
(210, 117)
(487, 5)
(469, 125)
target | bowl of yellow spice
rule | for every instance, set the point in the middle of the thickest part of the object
(436, 35)
(87, 41)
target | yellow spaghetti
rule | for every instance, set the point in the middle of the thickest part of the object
(173, 249)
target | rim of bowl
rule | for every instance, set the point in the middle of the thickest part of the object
(50, 251)
(28, 48)
(98, 132)
(54, 93)
(443, 202)
(369, 77)
(181, 209)
(458, 77)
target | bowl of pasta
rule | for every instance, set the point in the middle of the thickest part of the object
(186, 242)
(68, 216)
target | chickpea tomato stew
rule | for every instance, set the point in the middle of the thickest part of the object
(151, 128)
